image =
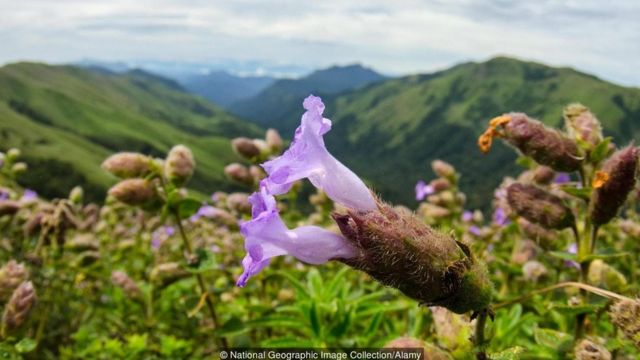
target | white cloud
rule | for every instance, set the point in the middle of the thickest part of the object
(401, 36)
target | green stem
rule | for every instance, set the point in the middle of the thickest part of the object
(479, 335)
(201, 283)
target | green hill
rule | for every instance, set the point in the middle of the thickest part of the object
(389, 132)
(67, 120)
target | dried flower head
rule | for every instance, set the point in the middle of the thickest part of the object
(12, 274)
(18, 307)
(539, 206)
(134, 191)
(625, 314)
(615, 181)
(128, 165)
(545, 145)
(589, 350)
(179, 165)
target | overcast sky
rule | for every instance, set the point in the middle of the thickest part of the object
(395, 37)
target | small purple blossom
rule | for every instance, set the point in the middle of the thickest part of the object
(562, 178)
(207, 211)
(423, 190)
(29, 195)
(266, 236)
(475, 230)
(307, 157)
(467, 216)
(169, 230)
(500, 218)
(4, 194)
(160, 235)
(572, 249)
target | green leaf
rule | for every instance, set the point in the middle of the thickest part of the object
(26, 345)
(206, 261)
(553, 339)
(277, 322)
(187, 207)
(606, 256)
(314, 320)
(509, 354)
(572, 311)
(580, 193)
(299, 287)
(563, 255)
(600, 151)
(233, 326)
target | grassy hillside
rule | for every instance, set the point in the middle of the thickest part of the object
(389, 132)
(67, 120)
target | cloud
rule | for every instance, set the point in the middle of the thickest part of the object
(398, 37)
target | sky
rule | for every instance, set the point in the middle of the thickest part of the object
(394, 37)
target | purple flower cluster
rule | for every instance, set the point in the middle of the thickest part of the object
(423, 190)
(266, 235)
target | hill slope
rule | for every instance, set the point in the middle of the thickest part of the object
(223, 88)
(275, 104)
(67, 120)
(389, 132)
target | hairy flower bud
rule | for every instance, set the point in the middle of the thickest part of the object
(543, 237)
(239, 202)
(539, 206)
(625, 314)
(123, 281)
(19, 168)
(543, 175)
(256, 173)
(245, 147)
(238, 172)
(452, 330)
(179, 165)
(440, 184)
(545, 145)
(128, 165)
(9, 207)
(13, 154)
(604, 275)
(443, 168)
(588, 350)
(613, 183)
(134, 191)
(631, 228)
(534, 270)
(274, 141)
(18, 307)
(399, 250)
(11, 275)
(582, 124)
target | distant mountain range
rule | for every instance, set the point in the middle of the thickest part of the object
(224, 89)
(67, 120)
(277, 105)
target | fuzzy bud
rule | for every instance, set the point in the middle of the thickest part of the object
(543, 175)
(625, 314)
(238, 172)
(539, 206)
(245, 147)
(256, 173)
(534, 270)
(443, 169)
(452, 330)
(18, 307)
(615, 180)
(9, 207)
(604, 275)
(76, 195)
(582, 124)
(19, 168)
(128, 165)
(399, 250)
(239, 202)
(440, 184)
(11, 275)
(631, 228)
(13, 154)
(134, 191)
(543, 237)
(545, 145)
(274, 141)
(179, 165)
(588, 350)
(123, 281)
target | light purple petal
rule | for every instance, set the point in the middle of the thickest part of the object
(500, 218)
(572, 249)
(29, 195)
(169, 230)
(562, 178)
(467, 216)
(307, 157)
(475, 230)
(423, 190)
(4, 195)
(266, 236)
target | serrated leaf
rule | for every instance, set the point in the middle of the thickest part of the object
(509, 354)
(553, 339)
(26, 345)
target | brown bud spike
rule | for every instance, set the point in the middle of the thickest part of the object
(128, 165)
(179, 165)
(11, 275)
(625, 315)
(239, 173)
(543, 175)
(539, 206)
(443, 168)
(18, 307)
(245, 147)
(399, 250)
(621, 172)
(133, 191)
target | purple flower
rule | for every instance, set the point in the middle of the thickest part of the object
(500, 218)
(423, 190)
(4, 194)
(467, 216)
(475, 230)
(266, 236)
(572, 249)
(207, 211)
(169, 230)
(307, 157)
(161, 234)
(562, 178)
(29, 195)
